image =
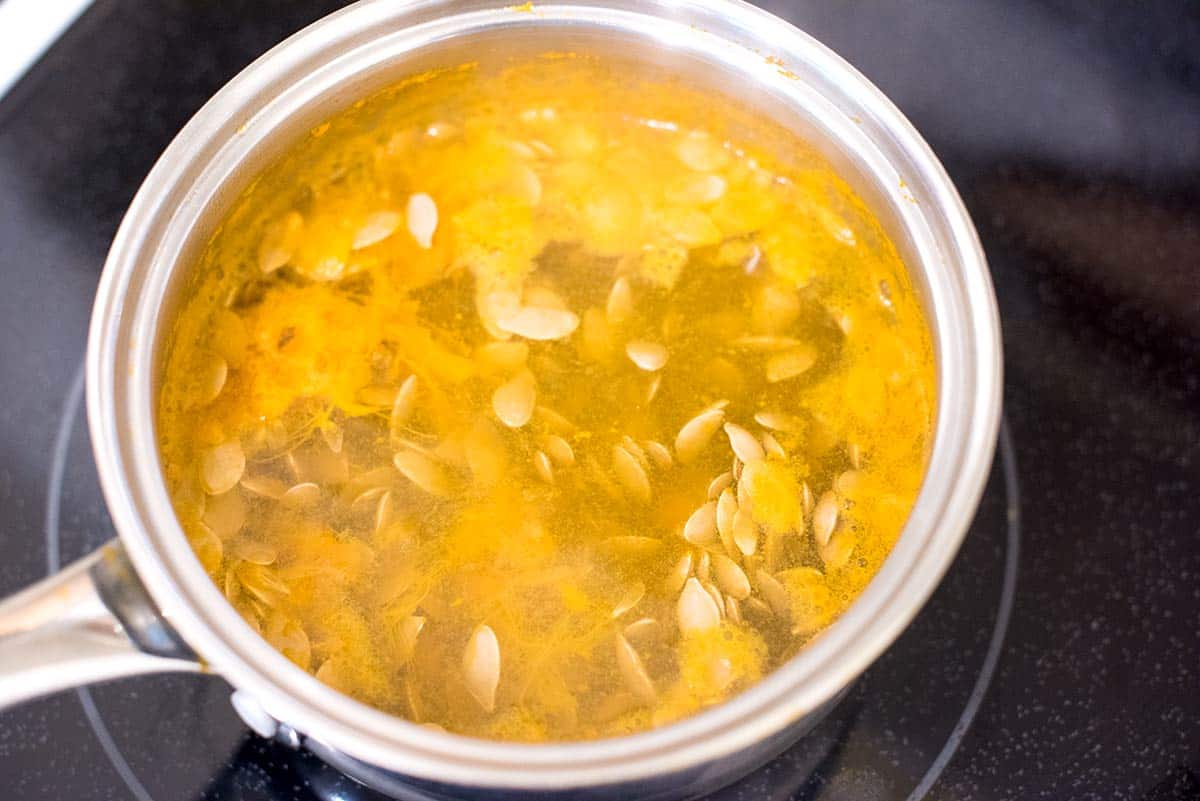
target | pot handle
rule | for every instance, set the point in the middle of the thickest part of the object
(91, 622)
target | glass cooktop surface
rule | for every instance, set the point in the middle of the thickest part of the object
(1060, 657)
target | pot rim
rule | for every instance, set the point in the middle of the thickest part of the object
(124, 332)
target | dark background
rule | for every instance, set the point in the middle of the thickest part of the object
(1072, 130)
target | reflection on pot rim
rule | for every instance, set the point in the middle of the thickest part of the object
(367, 45)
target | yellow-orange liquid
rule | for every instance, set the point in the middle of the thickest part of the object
(545, 403)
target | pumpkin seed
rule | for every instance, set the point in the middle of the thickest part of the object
(790, 363)
(719, 484)
(619, 306)
(824, 518)
(679, 573)
(514, 400)
(697, 433)
(376, 228)
(696, 611)
(301, 496)
(543, 466)
(634, 672)
(222, 466)
(648, 356)
(701, 526)
(745, 532)
(630, 473)
(744, 445)
(422, 471)
(730, 578)
(422, 215)
(481, 666)
(537, 323)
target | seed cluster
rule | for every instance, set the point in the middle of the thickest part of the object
(569, 452)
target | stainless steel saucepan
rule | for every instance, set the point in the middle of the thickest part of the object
(144, 604)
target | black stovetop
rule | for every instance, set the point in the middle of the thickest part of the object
(1060, 659)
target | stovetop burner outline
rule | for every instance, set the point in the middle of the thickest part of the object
(1005, 453)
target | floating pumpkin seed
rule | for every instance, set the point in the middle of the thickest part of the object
(514, 400)
(423, 471)
(403, 404)
(719, 484)
(225, 514)
(619, 306)
(481, 666)
(773, 593)
(701, 526)
(730, 578)
(648, 356)
(779, 421)
(745, 532)
(824, 518)
(221, 467)
(538, 323)
(658, 453)
(384, 510)
(726, 511)
(632, 597)
(696, 611)
(211, 379)
(679, 573)
(630, 444)
(634, 672)
(558, 449)
(846, 483)
(543, 466)
(744, 445)
(301, 496)
(630, 473)
(772, 446)
(644, 630)
(703, 566)
(422, 216)
(790, 363)
(367, 500)
(410, 629)
(377, 227)
(697, 433)
(280, 238)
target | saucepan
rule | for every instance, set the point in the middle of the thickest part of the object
(143, 603)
